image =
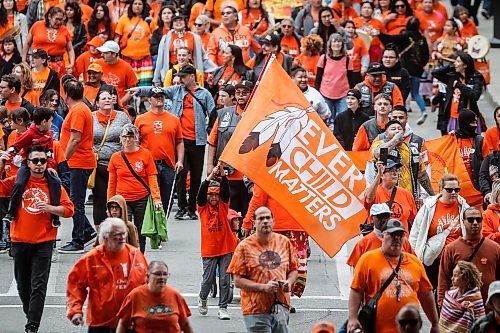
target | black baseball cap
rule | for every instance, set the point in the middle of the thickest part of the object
(178, 16)
(156, 91)
(40, 53)
(375, 68)
(244, 84)
(271, 39)
(186, 70)
(354, 93)
(392, 226)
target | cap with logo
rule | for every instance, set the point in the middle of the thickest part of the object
(244, 84)
(393, 225)
(178, 16)
(95, 68)
(271, 39)
(375, 68)
(379, 209)
(109, 46)
(156, 91)
(354, 93)
(186, 70)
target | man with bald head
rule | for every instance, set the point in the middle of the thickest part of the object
(408, 319)
(264, 267)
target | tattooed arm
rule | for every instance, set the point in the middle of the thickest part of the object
(425, 181)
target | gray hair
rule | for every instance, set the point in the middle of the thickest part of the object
(495, 192)
(204, 18)
(155, 263)
(107, 225)
(335, 37)
(289, 20)
(130, 129)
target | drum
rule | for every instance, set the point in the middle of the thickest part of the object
(478, 46)
(366, 37)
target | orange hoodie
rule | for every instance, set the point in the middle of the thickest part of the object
(282, 220)
(491, 223)
(221, 37)
(93, 275)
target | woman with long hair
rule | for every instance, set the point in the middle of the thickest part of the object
(382, 9)
(310, 50)
(23, 72)
(15, 19)
(464, 88)
(327, 25)
(160, 29)
(100, 23)
(52, 36)
(233, 70)
(334, 74)
(255, 17)
(10, 55)
(373, 27)
(44, 77)
(132, 34)
(75, 27)
(400, 13)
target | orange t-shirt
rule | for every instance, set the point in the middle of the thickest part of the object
(466, 151)
(217, 238)
(159, 133)
(31, 97)
(216, 6)
(86, 11)
(262, 264)
(373, 270)
(165, 312)
(468, 30)
(205, 38)
(121, 75)
(138, 43)
(187, 40)
(13, 136)
(11, 106)
(373, 28)
(39, 81)
(53, 43)
(90, 92)
(121, 180)
(120, 266)
(349, 13)
(403, 207)
(234, 80)
(187, 118)
(358, 51)
(433, 22)
(438, 7)
(368, 243)
(79, 119)
(361, 141)
(309, 63)
(32, 225)
(249, 19)
(395, 26)
(444, 216)
(491, 138)
(83, 62)
(292, 45)
(102, 31)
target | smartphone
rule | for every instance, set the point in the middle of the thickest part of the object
(383, 155)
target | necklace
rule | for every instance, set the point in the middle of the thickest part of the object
(398, 283)
(51, 35)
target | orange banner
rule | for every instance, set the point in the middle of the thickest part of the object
(283, 146)
(445, 157)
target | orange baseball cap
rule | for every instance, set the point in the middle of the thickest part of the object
(323, 327)
(97, 41)
(95, 68)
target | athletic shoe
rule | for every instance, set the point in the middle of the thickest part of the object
(422, 118)
(180, 214)
(202, 306)
(485, 14)
(70, 248)
(191, 215)
(55, 256)
(292, 309)
(89, 239)
(223, 314)
(4, 247)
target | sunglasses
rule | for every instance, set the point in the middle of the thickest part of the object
(452, 189)
(198, 24)
(471, 219)
(38, 160)
(400, 6)
(405, 322)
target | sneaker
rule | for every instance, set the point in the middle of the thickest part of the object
(56, 222)
(89, 239)
(180, 214)
(90, 200)
(422, 118)
(191, 215)
(70, 248)
(55, 256)
(293, 309)
(485, 14)
(202, 306)
(223, 314)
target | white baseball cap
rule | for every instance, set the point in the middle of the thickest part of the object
(109, 46)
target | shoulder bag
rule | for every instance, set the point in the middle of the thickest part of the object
(124, 39)
(91, 182)
(366, 227)
(368, 313)
(476, 249)
(435, 244)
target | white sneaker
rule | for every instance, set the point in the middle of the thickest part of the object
(422, 118)
(223, 314)
(55, 256)
(202, 306)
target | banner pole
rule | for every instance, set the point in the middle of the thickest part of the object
(269, 58)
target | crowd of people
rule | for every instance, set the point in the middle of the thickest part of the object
(126, 97)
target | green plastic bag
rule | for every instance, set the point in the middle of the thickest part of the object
(154, 225)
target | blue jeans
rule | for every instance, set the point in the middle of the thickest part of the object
(78, 189)
(414, 90)
(336, 106)
(166, 176)
(487, 5)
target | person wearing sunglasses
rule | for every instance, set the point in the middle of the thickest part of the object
(440, 213)
(472, 247)
(408, 319)
(155, 306)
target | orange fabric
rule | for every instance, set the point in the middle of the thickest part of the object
(216, 6)
(187, 118)
(103, 119)
(491, 139)
(466, 150)
(90, 92)
(30, 224)
(373, 270)
(121, 180)
(102, 31)
(242, 37)
(159, 133)
(39, 81)
(117, 9)
(187, 40)
(433, 22)
(205, 38)
(11, 106)
(262, 264)
(361, 141)
(13, 136)
(491, 223)
(368, 243)
(395, 26)
(164, 312)
(250, 19)
(373, 27)
(94, 271)
(217, 239)
(282, 219)
(292, 45)
(349, 13)
(444, 216)
(55, 45)
(86, 11)
(79, 119)
(83, 62)
(468, 30)
(31, 97)
(403, 207)
(397, 97)
(358, 51)
(21, 4)
(309, 63)
(121, 75)
(235, 78)
(438, 7)
(196, 11)
(138, 43)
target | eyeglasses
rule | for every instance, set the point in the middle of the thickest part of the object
(118, 235)
(393, 171)
(113, 207)
(452, 189)
(405, 322)
(227, 13)
(38, 160)
(160, 274)
(128, 137)
(471, 219)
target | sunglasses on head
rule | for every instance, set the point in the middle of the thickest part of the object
(452, 189)
(471, 219)
(405, 322)
(38, 160)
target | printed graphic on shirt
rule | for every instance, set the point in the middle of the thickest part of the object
(269, 260)
(397, 210)
(111, 79)
(139, 166)
(158, 309)
(31, 197)
(405, 281)
(157, 126)
(445, 221)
